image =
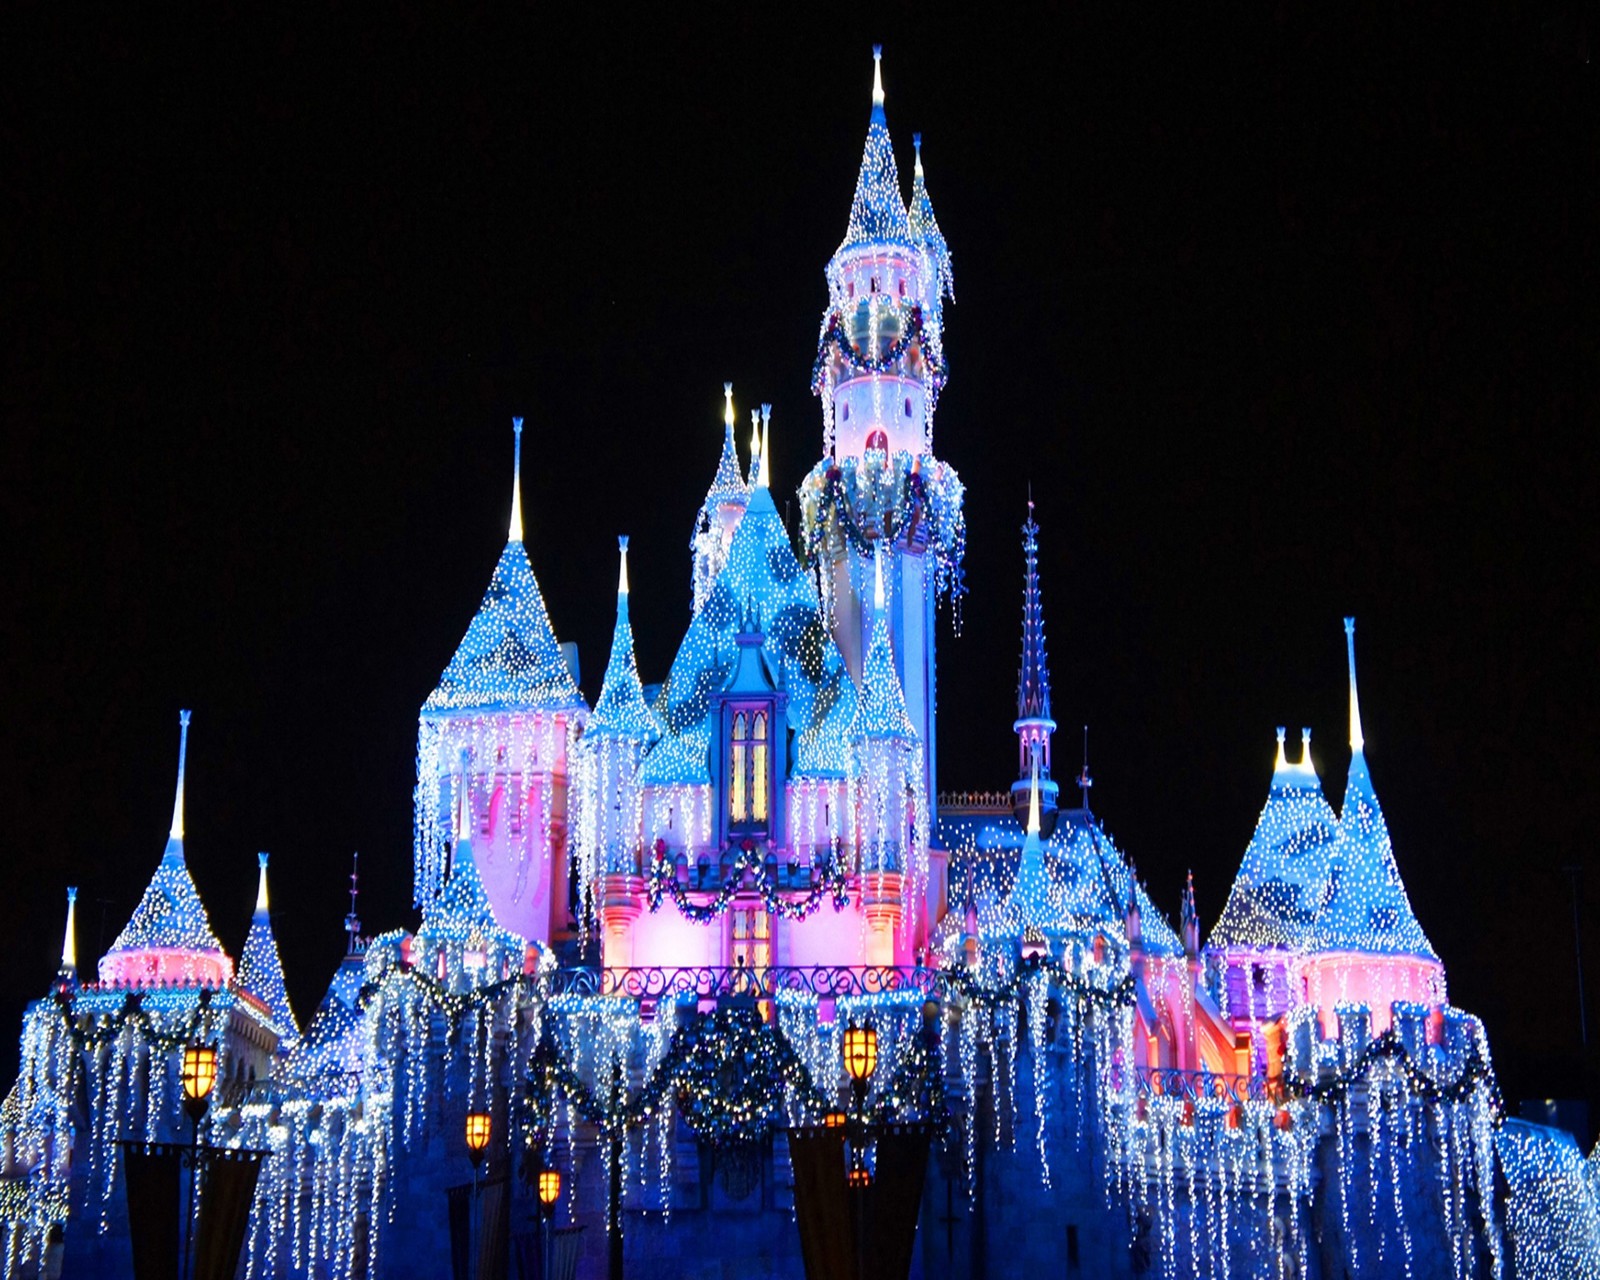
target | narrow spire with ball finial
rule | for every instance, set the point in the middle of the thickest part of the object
(515, 532)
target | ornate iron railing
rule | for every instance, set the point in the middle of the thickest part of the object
(976, 801)
(1194, 1086)
(708, 982)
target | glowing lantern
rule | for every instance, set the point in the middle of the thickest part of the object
(198, 1076)
(860, 1052)
(833, 1120)
(478, 1128)
(549, 1186)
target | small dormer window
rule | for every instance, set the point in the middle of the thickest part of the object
(908, 406)
(902, 286)
(844, 415)
(851, 289)
(748, 762)
(874, 288)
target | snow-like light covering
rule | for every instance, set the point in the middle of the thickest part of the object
(728, 487)
(169, 936)
(1365, 907)
(1552, 1217)
(878, 212)
(880, 702)
(763, 588)
(509, 657)
(924, 227)
(334, 1042)
(1089, 880)
(261, 970)
(621, 711)
(1282, 878)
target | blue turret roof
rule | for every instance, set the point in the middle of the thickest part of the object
(924, 227)
(261, 969)
(170, 915)
(509, 656)
(728, 487)
(762, 587)
(1285, 869)
(880, 702)
(878, 212)
(621, 711)
(334, 1043)
(1365, 907)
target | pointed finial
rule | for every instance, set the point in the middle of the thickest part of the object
(1084, 780)
(1357, 742)
(352, 922)
(765, 481)
(755, 447)
(1305, 751)
(261, 887)
(877, 82)
(69, 940)
(515, 532)
(916, 164)
(727, 404)
(1033, 798)
(176, 832)
(622, 574)
(1283, 759)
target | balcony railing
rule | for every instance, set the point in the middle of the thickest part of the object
(1195, 1086)
(709, 982)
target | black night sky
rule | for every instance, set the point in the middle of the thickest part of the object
(1282, 320)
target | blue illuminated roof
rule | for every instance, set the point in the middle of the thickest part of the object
(509, 657)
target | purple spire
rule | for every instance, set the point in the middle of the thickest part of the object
(1033, 677)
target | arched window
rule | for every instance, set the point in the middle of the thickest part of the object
(738, 766)
(758, 768)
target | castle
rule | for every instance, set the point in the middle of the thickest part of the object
(647, 924)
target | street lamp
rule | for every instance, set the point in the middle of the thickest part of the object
(479, 1126)
(198, 1076)
(860, 1049)
(549, 1193)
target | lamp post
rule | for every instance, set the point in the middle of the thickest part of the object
(198, 1076)
(860, 1049)
(479, 1127)
(549, 1193)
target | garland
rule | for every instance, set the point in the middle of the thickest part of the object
(1475, 1074)
(104, 1029)
(727, 1072)
(662, 882)
(835, 339)
(958, 981)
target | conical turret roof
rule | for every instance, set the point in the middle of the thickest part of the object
(880, 702)
(1282, 878)
(1365, 907)
(728, 487)
(170, 916)
(621, 711)
(509, 657)
(261, 970)
(878, 212)
(924, 227)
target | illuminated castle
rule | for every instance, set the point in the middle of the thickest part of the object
(646, 924)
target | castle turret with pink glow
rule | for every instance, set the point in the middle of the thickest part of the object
(508, 706)
(879, 371)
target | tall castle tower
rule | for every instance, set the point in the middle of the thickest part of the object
(492, 743)
(879, 370)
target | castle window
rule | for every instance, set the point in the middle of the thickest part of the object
(908, 406)
(751, 938)
(844, 415)
(874, 288)
(748, 762)
(852, 288)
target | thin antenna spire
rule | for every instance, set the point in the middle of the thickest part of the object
(261, 887)
(766, 454)
(176, 833)
(1084, 780)
(877, 83)
(69, 940)
(515, 531)
(622, 573)
(352, 922)
(1357, 742)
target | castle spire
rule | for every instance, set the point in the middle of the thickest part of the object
(175, 834)
(69, 940)
(878, 212)
(515, 532)
(1357, 742)
(765, 480)
(1033, 724)
(352, 922)
(924, 227)
(621, 710)
(261, 968)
